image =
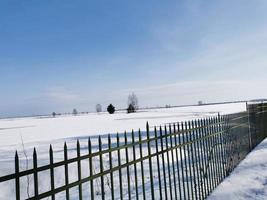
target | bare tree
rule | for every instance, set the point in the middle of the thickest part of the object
(133, 101)
(74, 112)
(98, 108)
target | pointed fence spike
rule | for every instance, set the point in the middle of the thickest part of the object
(16, 154)
(34, 151)
(99, 140)
(17, 176)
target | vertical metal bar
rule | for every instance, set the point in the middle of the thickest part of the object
(101, 168)
(79, 170)
(119, 165)
(215, 145)
(249, 128)
(35, 173)
(193, 163)
(200, 166)
(91, 168)
(66, 170)
(211, 154)
(222, 138)
(187, 125)
(173, 163)
(177, 160)
(158, 163)
(128, 168)
(135, 167)
(195, 159)
(163, 163)
(219, 150)
(17, 176)
(110, 167)
(182, 165)
(207, 162)
(150, 161)
(211, 170)
(52, 180)
(142, 165)
(203, 157)
(185, 161)
(168, 159)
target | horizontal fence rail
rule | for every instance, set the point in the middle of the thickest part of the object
(184, 160)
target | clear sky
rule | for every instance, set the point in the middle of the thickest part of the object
(56, 55)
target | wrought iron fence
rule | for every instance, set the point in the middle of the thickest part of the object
(185, 160)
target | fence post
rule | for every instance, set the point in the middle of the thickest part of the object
(150, 161)
(163, 163)
(182, 160)
(101, 168)
(249, 128)
(35, 173)
(79, 170)
(17, 176)
(110, 167)
(51, 157)
(173, 165)
(135, 167)
(168, 159)
(158, 164)
(119, 164)
(127, 168)
(177, 160)
(142, 164)
(66, 170)
(91, 168)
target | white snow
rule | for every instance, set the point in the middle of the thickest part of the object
(248, 180)
(37, 129)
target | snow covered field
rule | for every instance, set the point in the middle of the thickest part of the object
(248, 180)
(39, 129)
(23, 134)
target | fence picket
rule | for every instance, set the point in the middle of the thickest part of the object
(110, 167)
(66, 171)
(52, 177)
(17, 177)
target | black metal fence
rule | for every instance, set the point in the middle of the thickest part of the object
(185, 160)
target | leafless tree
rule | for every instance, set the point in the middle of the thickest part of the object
(74, 112)
(133, 100)
(98, 108)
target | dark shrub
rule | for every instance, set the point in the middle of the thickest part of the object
(111, 109)
(131, 109)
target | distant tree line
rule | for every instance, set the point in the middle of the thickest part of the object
(132, 104)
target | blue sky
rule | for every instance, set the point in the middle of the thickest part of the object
(57, 55)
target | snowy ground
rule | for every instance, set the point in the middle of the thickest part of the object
(41, 131)
(248, 180)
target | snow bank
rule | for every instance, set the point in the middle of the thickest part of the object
(248, 180)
